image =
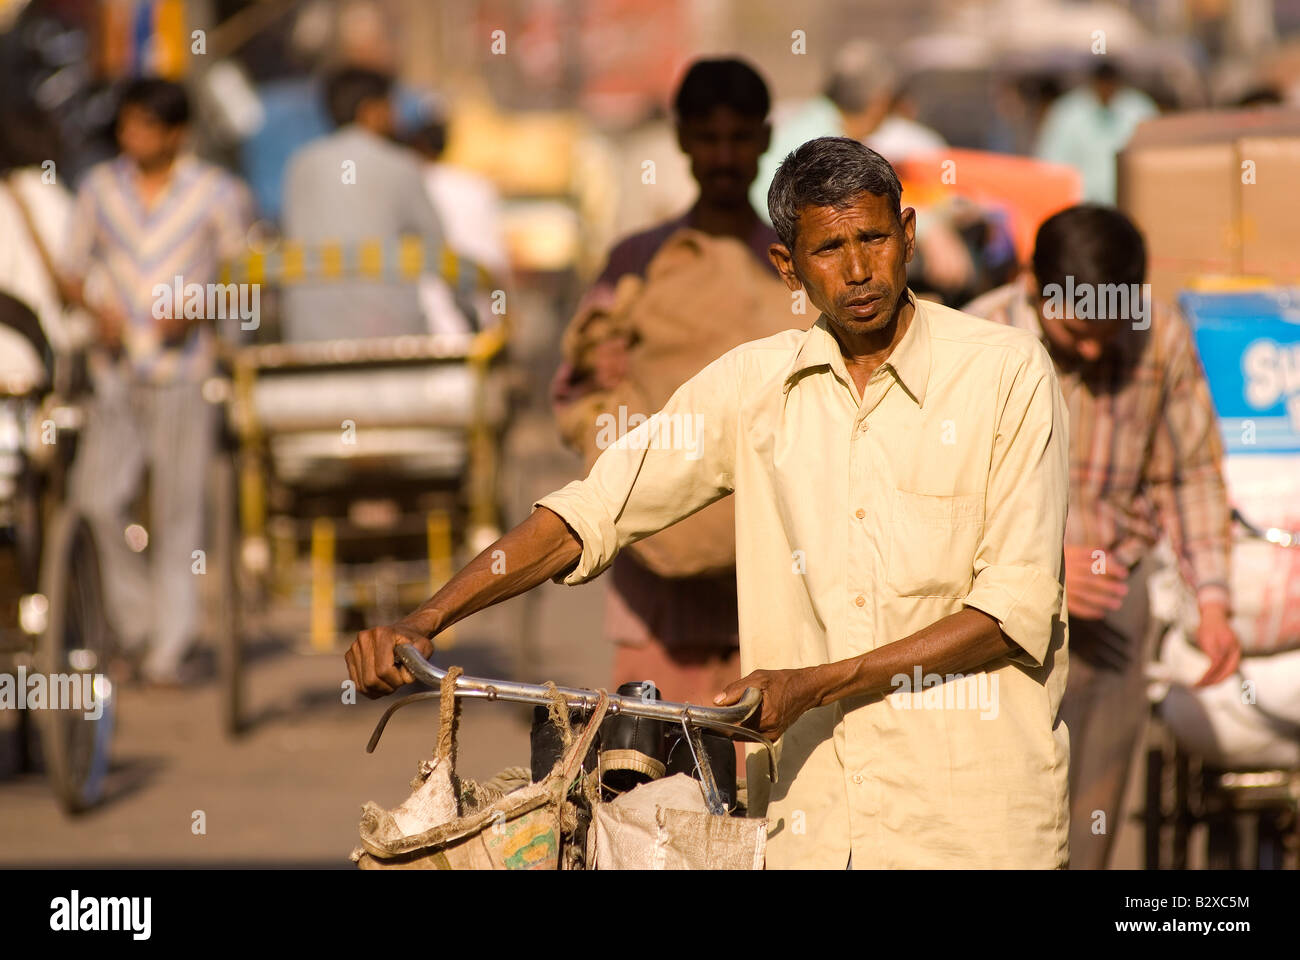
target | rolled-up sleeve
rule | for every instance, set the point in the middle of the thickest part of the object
(1019, 563)
(666, 468)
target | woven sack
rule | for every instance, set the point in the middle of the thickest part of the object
(449, 824)
(665, 825)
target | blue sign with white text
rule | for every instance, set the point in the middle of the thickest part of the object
(1249, 344)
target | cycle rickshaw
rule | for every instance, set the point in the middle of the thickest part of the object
(54, 633)
(351, 469)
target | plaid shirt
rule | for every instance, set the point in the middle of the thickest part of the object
(1145, 451)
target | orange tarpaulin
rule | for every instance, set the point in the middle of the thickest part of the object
(1028, 190)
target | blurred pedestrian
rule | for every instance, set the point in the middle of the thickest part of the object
(681, 631)
(353, 187)
(154, 214)
(354, 34)
(1087, 127)
(468, 206)
(863, 99)
(35, 212)
(1145, 459)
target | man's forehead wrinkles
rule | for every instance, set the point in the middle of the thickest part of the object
(830, 214)
(845, 220)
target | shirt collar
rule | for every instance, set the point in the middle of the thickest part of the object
(182, 164)
(909, 361)
(356, 131)
(183, 168)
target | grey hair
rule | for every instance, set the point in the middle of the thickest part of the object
(827, 172)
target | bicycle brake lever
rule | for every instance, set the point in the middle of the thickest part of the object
(393, 708)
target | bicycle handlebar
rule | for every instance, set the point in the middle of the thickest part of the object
(738, 721)
(721, 718)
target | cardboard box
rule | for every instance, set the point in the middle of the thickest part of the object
(1215, 193)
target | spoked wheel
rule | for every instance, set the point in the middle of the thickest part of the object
(73, 656)
(29, 530)
(225, 559)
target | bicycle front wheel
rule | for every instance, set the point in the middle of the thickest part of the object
(73, 655)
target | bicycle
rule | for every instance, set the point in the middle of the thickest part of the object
(53, 615)
(543, 820)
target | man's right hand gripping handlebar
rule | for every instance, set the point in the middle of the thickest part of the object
(372, 660)
(539, 549)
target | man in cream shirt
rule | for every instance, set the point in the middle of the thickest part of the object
(900, 478)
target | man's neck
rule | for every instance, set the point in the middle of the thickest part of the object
(738, 221)
(367, 129)
(152, 179)
(159, 169)
(864, 352)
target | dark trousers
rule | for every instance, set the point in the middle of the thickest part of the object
(1105, 709)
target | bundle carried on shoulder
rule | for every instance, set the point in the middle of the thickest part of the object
(701, 296)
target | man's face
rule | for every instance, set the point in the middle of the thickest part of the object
(852, 263)
(724, 148)
(146, 139)
(1072, 340)
(1105, 89)
(376, 115)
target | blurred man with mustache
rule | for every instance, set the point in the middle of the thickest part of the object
(681, 630)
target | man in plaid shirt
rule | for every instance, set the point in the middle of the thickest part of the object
(1145, 458)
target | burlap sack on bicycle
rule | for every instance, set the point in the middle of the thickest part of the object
(449, 824)
(701, 296)
(665, 825)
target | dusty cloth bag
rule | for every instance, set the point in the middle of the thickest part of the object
(447, 823)
(701, 296)
(665, 825)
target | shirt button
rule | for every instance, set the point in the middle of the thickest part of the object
(857, 778)
(860, 600)
(861, 513)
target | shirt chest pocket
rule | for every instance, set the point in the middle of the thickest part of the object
(932, 543)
